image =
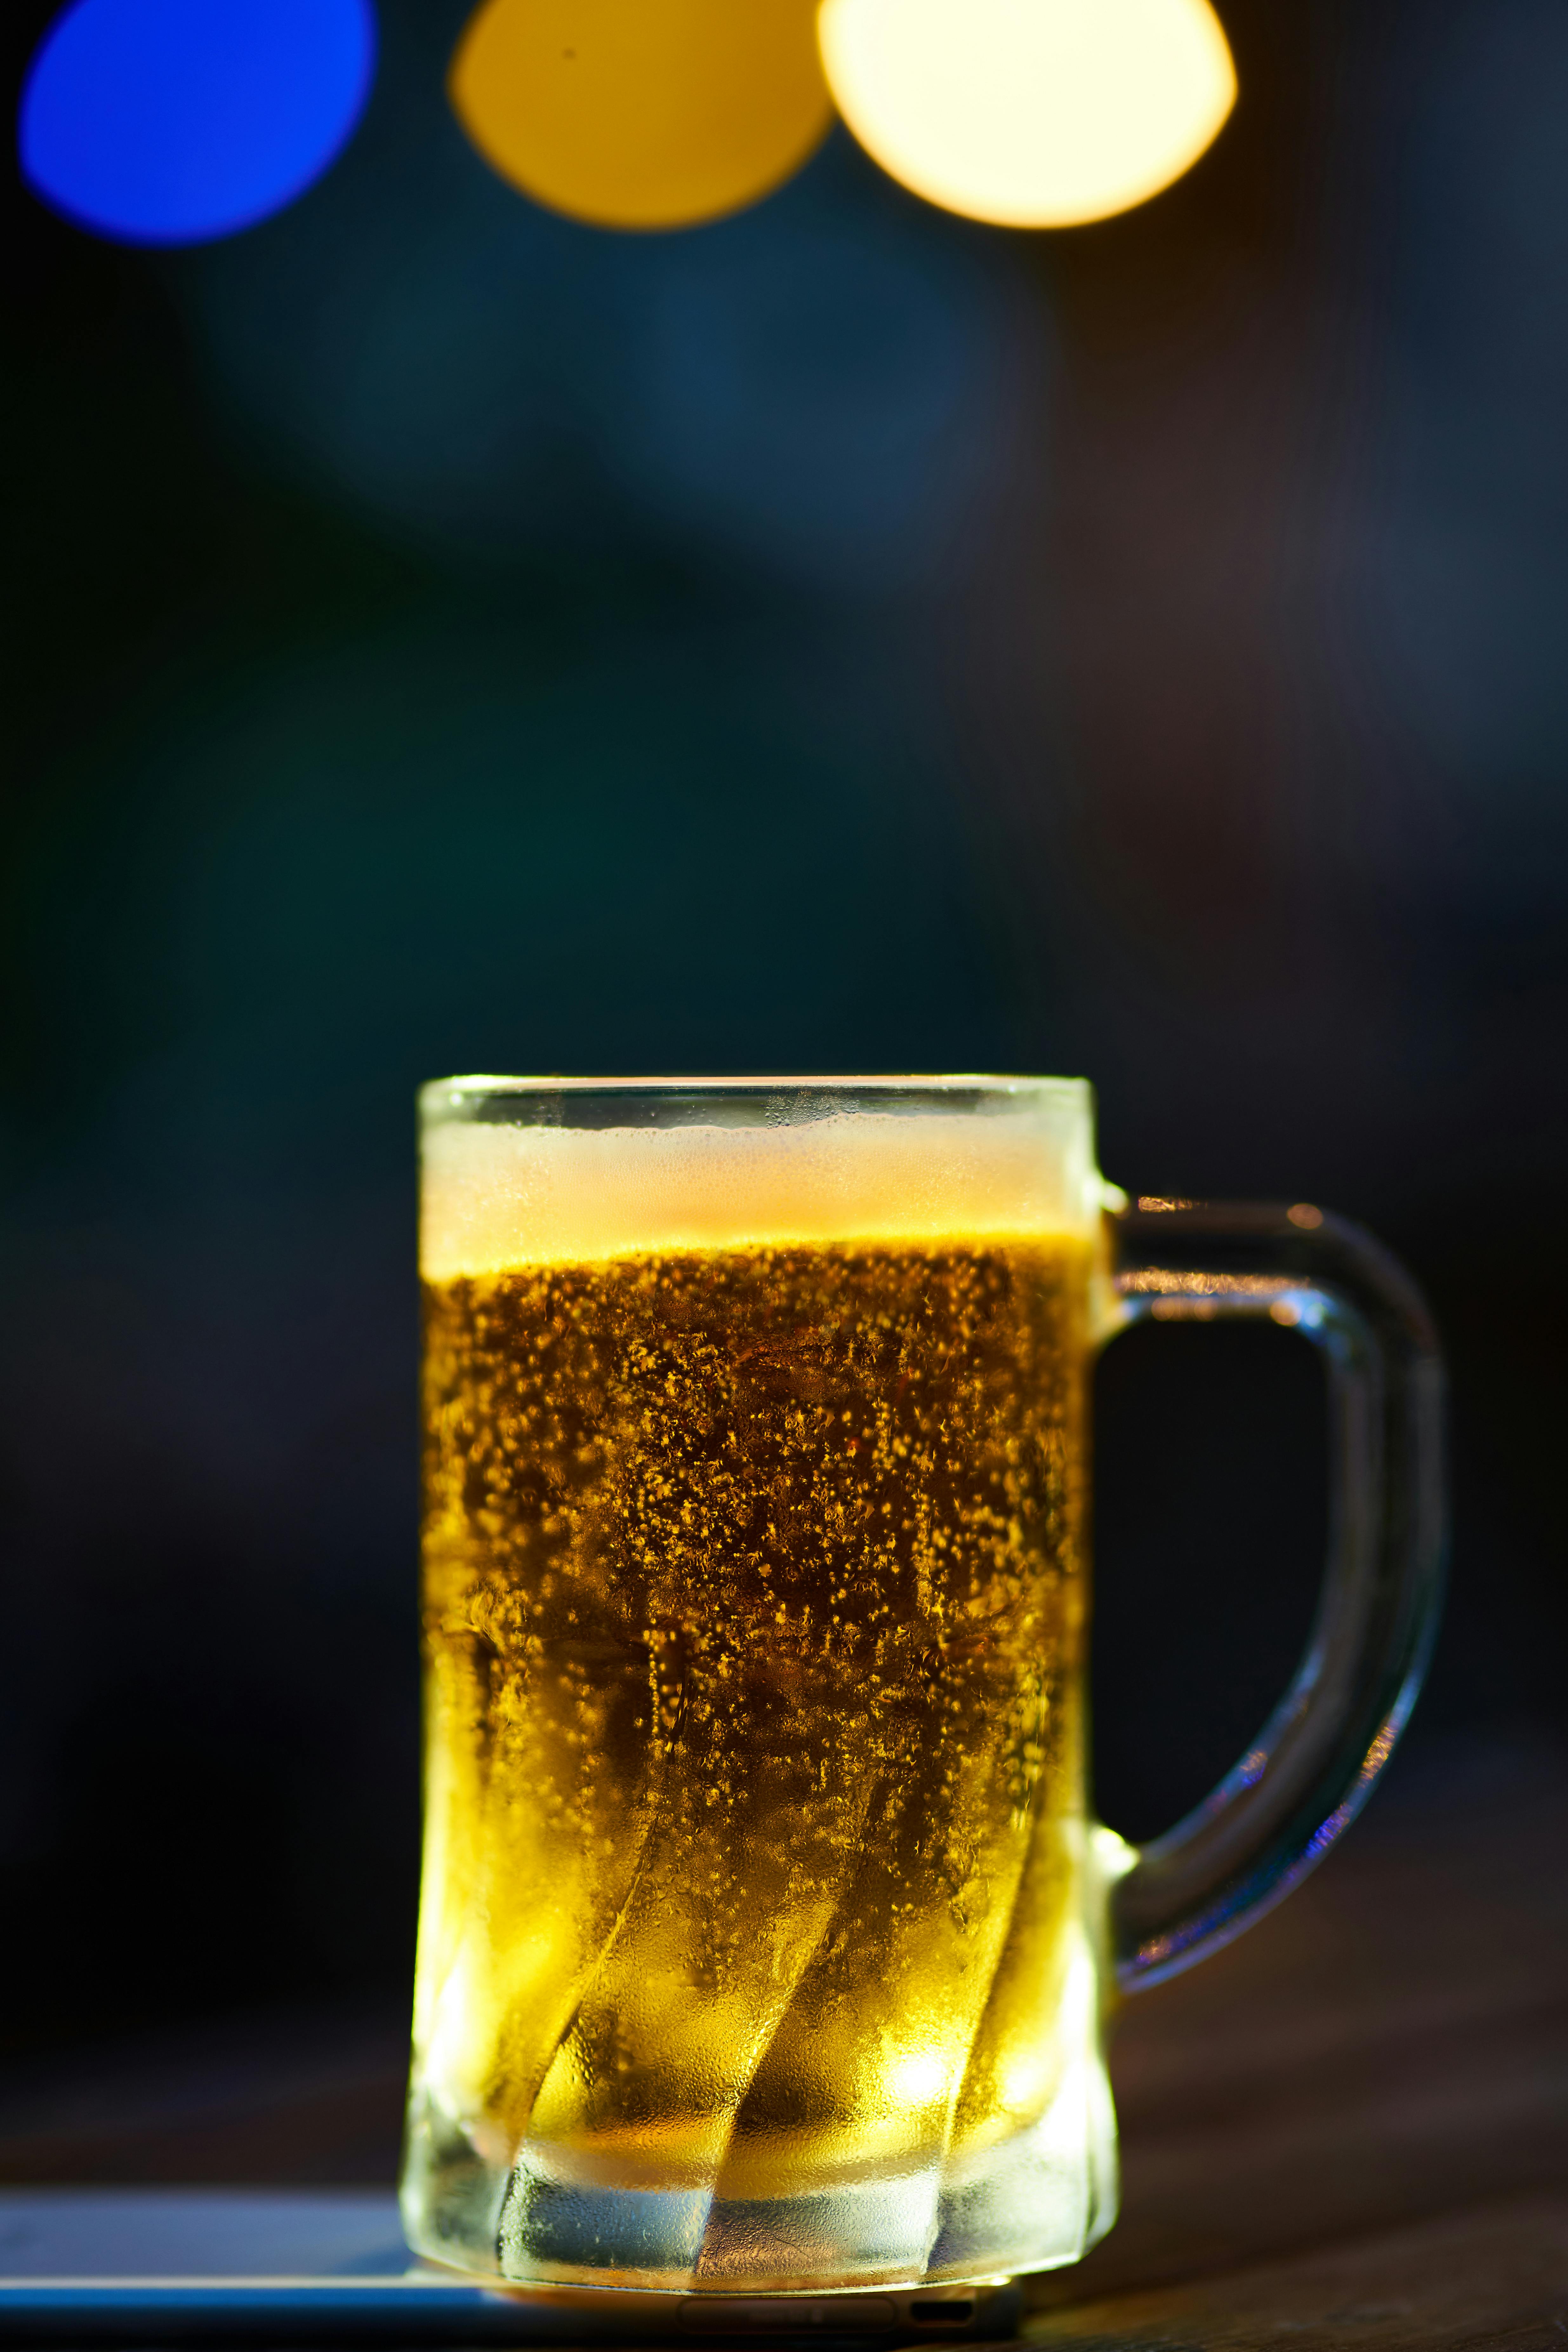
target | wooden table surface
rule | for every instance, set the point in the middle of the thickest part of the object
(1349, 2129)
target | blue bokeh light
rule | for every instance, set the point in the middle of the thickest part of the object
(171, 122)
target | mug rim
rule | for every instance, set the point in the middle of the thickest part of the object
(763, 1102)
(890, 1082)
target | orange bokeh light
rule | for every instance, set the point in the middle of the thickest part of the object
(642, 114)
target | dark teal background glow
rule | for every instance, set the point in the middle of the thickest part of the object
(441, 636)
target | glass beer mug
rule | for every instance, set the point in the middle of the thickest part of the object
(765, 1937)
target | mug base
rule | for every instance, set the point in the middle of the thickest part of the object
(1034, 2202)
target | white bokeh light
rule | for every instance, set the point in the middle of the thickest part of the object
(1030, 113)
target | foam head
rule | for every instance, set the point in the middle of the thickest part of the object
(530, 1173)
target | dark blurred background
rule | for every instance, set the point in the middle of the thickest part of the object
(441, 638)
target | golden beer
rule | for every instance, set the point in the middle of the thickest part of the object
(756, 1939)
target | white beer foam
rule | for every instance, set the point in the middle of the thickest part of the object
(497, 1196)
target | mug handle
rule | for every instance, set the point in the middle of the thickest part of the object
(1311, 1767)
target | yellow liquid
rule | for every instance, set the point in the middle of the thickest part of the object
(754, 1906)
